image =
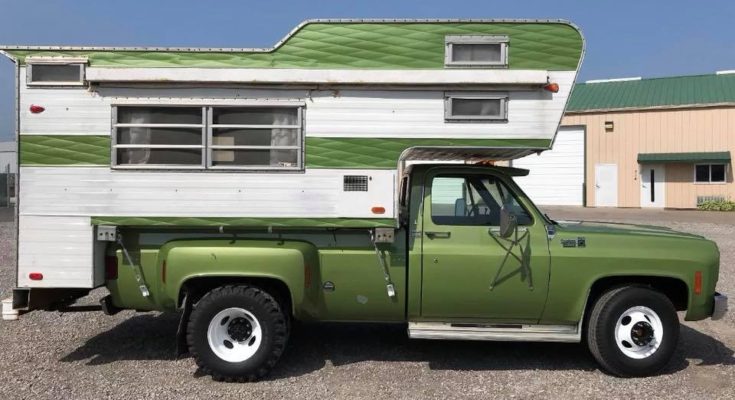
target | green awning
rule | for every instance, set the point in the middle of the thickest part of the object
(703, 157)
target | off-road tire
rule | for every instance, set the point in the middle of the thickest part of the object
(602, 322)
(273, 321)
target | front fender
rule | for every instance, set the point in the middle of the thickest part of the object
(289, 261)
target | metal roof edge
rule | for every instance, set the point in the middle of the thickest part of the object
(650, 108)
(290, 34)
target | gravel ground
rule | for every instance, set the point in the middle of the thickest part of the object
(92, 356)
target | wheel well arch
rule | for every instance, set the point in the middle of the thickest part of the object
(674, 288)
(196, 287)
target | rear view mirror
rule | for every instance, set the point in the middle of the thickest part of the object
(508, 223)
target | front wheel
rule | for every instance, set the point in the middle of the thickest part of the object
(632, 331)
(237, 333)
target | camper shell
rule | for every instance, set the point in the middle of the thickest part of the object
(310, 133)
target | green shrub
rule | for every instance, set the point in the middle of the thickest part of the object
(717, 205)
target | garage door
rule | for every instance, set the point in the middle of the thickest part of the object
(557, 175)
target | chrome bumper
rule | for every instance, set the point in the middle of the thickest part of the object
(720, 307)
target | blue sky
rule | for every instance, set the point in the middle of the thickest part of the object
(624, 38)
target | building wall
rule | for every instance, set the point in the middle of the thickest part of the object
(657, 131)
(8, 156)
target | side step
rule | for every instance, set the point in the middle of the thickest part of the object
(503, 332)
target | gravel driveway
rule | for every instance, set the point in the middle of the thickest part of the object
(131, 355)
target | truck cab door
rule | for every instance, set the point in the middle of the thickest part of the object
(469, 271)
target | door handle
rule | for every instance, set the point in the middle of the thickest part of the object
(437, 235)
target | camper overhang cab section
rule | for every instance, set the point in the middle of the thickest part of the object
(346, 174)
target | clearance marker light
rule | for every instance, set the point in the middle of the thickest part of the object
(378, 210)
(36, 109)
(698, 282)
(552, 87)
(35, 276)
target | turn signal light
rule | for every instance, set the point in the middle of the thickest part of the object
(552, 87)
(35, 276)
(37, 109)
(378, 210)
(110, 267)
(698, 282)
(163, 272)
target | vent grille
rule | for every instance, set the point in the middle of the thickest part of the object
(702, 199)
(355, 183)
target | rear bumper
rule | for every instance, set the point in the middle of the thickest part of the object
(719, 309)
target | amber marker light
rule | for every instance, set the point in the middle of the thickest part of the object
(35, 109)
(552, 87)
(698, 282)
(378, 210)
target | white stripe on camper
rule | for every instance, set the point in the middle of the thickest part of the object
(99, 191)
(384, 113)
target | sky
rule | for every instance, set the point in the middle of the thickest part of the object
(625, 38)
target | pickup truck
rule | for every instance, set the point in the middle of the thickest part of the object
(472, 259)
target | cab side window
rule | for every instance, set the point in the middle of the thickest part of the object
(473, 200)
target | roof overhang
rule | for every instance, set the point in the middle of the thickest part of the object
(687, 158)
(472, 77)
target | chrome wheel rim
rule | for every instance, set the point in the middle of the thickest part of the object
(638, 332)
(234, 334)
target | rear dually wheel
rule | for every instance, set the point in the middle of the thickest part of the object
(237, 333)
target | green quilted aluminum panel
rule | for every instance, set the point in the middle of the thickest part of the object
(675, 91)
(384, 153)
(373, 45)
(320, 152)
(64, 150)
(246, 222)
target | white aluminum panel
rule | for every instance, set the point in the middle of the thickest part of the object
(58, 247)
(556, 176)
(69, 110)
(532, 114)
(388, 113)
(86, 191)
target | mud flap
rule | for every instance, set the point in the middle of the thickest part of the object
(182, 347)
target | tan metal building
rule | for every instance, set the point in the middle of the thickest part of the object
(663, 142)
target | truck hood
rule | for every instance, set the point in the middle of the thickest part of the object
(586, 227)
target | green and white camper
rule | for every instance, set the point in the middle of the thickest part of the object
(252, 187)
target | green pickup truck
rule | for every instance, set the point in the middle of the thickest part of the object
(473, 259)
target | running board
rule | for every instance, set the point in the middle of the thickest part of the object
(499, 332)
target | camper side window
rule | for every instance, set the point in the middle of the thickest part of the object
(158, 137)
(255, 138)
(476, 107)
(224, 137)
(468, 51)
(55, 74)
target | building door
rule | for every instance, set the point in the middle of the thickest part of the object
(470, 272)
(653, 178)
(606, 185)
(556, 176)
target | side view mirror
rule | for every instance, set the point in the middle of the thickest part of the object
(508, 223)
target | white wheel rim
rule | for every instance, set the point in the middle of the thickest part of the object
(234, 334)
(639, 332)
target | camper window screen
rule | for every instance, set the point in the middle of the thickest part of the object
(476, 51)
(159, 137)
(255, 138)
(476, 108)
(55, 74)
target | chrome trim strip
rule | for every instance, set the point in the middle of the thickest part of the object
(524, 333)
